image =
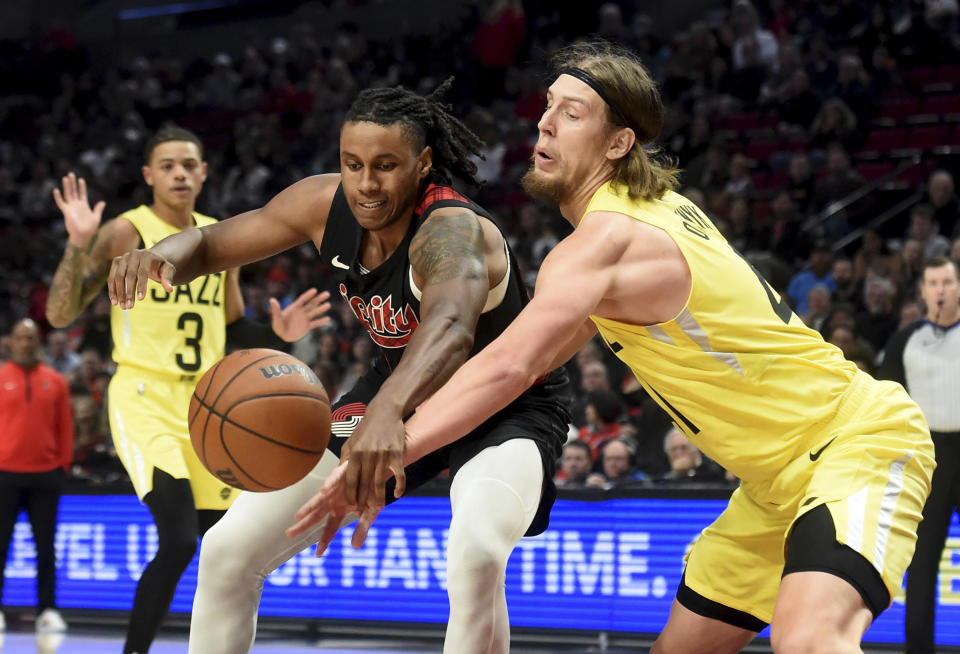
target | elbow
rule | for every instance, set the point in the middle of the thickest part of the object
(515, 374)
(459, 339)
(57, 320)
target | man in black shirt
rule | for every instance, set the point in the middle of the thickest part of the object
(430, 277)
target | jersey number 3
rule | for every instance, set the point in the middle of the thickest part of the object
(191, 323)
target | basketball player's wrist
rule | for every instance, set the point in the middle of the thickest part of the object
(413, 447)
(78, 243)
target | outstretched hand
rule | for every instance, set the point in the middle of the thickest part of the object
(304, 314)
(80, 220)
(330, 503)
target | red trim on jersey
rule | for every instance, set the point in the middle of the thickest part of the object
(348, 411)
(435, 194)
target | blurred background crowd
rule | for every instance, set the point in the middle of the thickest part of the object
(822, 137)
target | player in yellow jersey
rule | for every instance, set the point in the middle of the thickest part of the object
(835, 466)
(161, 349)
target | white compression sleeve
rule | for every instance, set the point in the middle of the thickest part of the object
(237, 554)
(495, 497)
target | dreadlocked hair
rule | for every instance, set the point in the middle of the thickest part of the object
(428, 122)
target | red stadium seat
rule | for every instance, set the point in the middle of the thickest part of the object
(885, 140)
(950, 73)
(761, 151)
(899, 107)
(740, 122)
(941, 105)
(872, 171)
(919, 76)
(929, 136)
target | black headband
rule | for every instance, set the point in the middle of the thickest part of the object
(592, 82)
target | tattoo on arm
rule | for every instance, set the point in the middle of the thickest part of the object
(448, 247)
(78, 279)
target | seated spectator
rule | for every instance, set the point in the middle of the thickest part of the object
(906, 266)
(879, 319)
(800, 182)
(923, 229)
(818, 307)
(593, 377)
(872, 256)
(941, 195)
(788, 240)
(59, 355)
(575, 465)
(850, 344)
(741, 232)
(618, 468)
(853, 87)
(842, 314)
(846, 286)
(604, 411)
(687, 464)
(834, 123)
(797, 102)
(95, 460)
(818, 273)
(329, 376)
(839, 181)
(750, 33)
(911, 312)
(740, 183)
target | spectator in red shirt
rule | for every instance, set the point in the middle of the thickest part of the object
(604, 411)
(36, 450)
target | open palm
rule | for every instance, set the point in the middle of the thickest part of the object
(80, 219)
(307, 312)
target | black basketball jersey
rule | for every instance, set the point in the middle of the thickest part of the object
(385, 299)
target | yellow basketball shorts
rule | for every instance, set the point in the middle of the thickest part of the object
(148, 422)
(871, 468)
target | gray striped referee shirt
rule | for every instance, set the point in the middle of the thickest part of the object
(925, 358)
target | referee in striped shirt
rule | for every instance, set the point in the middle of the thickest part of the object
(925, 358)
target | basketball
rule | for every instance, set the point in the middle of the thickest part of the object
(259, 420)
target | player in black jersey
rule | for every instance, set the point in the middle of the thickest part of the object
(431, 278)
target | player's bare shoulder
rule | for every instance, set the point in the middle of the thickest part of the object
(449, 244)
(305, 205)
(113, 238)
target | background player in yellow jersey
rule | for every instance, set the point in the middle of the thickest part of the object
(162, 348)
(835, 466)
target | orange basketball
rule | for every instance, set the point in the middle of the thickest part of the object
(259, 420)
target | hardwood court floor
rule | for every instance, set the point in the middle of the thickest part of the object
(110, 641)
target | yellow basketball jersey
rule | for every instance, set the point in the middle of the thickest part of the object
(179, 334)
(737, 370)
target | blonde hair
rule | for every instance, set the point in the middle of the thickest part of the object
(643, 171)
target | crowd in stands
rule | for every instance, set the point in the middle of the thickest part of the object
(822, 137)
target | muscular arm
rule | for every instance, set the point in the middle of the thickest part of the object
(572, 281)
(82, 272)
(586, 331)
(296, 214)
(447, 252)
(233, 305)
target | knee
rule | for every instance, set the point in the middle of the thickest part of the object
(178, 550)
(474, 564)
(218, 555)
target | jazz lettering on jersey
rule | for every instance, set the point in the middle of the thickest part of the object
(208, 294)
(693, 220)
(388, 327)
